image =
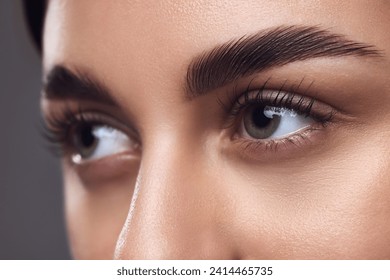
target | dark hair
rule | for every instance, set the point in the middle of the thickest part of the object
(34, 12)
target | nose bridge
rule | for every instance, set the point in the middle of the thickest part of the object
(172, 215)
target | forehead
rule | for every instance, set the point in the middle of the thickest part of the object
(157, 38)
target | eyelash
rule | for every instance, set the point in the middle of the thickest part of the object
(58, 128)
(283, 97)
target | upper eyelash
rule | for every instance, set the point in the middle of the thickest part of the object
(56, 129)
(59, 128)
(284, 98)
(291, 97)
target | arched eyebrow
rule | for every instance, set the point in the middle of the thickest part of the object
(61, 83)
(268, 48)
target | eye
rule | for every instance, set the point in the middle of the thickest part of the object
(269, 122)
(95, 141)
(89, 135)
(275, 120)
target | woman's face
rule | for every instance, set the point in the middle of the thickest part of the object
(222, 129)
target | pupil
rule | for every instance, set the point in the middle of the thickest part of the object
(259, 119)
(87, 138)
(260, 125)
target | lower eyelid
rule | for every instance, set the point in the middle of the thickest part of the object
(103, 171)
(294, 145)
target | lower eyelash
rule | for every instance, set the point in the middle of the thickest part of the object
(321, 114)
(251, 147)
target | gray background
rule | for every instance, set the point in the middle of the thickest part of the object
(31, 215)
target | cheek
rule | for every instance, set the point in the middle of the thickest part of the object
(95, 214)
(332, 205)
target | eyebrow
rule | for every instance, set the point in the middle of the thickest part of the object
(278, 46)
(62, 83)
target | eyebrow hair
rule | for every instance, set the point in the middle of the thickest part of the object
(62, 83)
(249, 54)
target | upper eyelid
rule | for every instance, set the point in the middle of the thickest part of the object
(305, 86)
(102, 118)
(269, 84)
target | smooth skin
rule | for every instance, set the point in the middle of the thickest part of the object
(192, 190)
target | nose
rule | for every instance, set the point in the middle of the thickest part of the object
(174, 210)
